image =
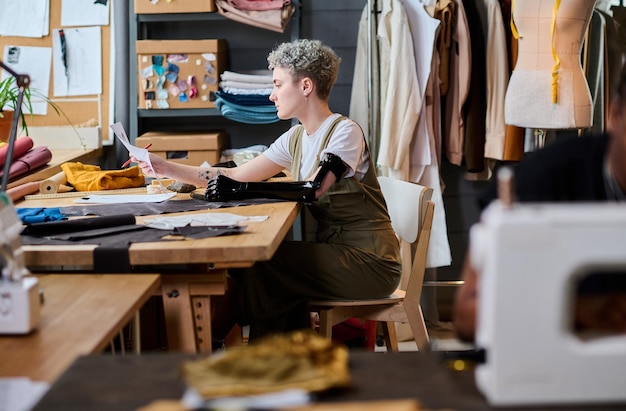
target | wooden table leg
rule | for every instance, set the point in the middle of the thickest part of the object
(187, 309)
(201, 309)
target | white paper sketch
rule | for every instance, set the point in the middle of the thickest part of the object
(34, 61)
(78, 71)
(84, 13)
(139, 153)
(24, 18)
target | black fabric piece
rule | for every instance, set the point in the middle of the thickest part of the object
(195, 203)
(233, 203)
(112, 254)
(136, 209)
(98, 232)
(50, 228)
(196, 232)
(107, 259)
(145, 235)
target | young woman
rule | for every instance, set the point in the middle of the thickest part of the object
(356, 253)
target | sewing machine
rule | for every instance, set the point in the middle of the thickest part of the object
(530, 258)
(19, 295)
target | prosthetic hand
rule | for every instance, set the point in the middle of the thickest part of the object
(223, 188)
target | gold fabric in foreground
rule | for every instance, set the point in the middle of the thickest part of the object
(299, 360)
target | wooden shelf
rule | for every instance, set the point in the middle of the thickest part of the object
(165, 17)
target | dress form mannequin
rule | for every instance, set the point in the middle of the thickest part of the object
(548, 88)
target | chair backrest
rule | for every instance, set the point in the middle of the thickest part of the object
(411, 211)
(406, 202)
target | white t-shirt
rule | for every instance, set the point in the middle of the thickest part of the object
(347, 142)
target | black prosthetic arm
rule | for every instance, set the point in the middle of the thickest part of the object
(224, 188)
(331, 163)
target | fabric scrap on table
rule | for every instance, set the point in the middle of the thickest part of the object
(85, 177)
(141, 209)
(32, 215)
(201, 220)
(197, 232)
(77, 225)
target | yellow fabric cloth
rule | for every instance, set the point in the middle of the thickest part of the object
(86, 177)
(298, 360)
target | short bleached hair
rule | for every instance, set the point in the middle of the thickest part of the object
(307, 58)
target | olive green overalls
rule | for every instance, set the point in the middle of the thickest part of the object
(356, 254)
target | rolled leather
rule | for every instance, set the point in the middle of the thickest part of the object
(21, 147)
(35, 158)
(50, 228)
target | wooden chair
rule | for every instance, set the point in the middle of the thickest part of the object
(411, 213)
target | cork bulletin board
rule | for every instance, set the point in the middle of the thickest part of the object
(84, 111)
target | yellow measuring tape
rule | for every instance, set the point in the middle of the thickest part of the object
(557, 60)
(69, 194)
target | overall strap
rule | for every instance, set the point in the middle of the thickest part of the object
(295, 147)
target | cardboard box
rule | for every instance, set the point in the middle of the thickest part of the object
(175, 74)
(178, 6)
(191, 148)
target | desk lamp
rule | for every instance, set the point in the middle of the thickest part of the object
(22, 81)
(19, 295)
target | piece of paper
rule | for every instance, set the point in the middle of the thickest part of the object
(84, 13)
(24, 18)
(124, 198)
(36, 62)
(139, 153)
(78, 70)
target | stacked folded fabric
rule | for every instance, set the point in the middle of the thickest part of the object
(25, 157)
(244, 97)
(267, 14)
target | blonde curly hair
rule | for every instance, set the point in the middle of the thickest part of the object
(307, 58)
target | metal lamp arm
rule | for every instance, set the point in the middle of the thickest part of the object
(22, 81)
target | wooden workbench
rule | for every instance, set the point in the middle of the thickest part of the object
(80, 315)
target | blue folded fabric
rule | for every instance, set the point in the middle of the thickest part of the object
(247, 114)
(245, 99)
(39, 215)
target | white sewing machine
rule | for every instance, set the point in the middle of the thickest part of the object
(530, 259)
(19, 295)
